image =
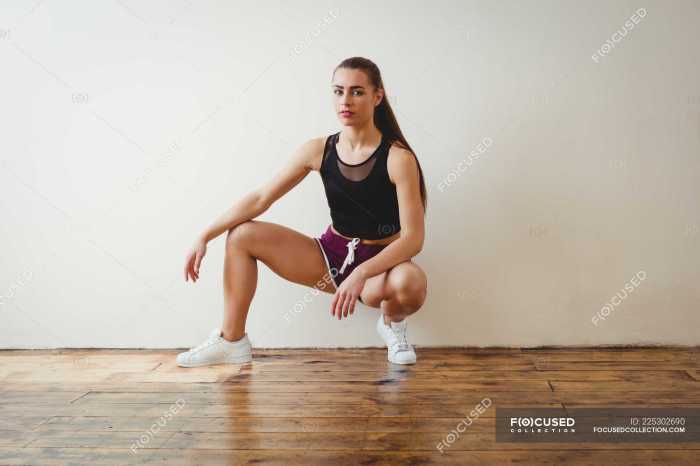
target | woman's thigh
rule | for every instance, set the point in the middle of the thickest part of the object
(290, 254)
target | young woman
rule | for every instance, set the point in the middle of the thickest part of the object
(377, 198)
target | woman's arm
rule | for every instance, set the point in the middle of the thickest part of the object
(258, 201)
(403, 172)
(304, 159)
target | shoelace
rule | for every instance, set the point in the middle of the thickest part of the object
(350, 257)
(401, 341)
(207, 343)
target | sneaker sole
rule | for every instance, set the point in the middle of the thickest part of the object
(401, 363)
(238, 360)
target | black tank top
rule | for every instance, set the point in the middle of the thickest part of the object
(361, 197)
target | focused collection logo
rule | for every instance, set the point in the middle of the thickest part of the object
(533, 425)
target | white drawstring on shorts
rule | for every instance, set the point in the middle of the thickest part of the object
(350, 258)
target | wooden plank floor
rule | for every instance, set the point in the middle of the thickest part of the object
(325, 407)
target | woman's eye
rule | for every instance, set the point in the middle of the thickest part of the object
(339, 92)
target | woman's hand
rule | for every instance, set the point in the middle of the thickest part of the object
(194, 258)
(346, 295)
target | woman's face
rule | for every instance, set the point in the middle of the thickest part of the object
(354, 98)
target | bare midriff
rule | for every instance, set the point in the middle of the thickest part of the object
(383, 241)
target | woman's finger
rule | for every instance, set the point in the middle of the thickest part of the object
(339, 305)
(198, 260)
(351, 309)
(346, 303)
(333, 303)
(351, 305)
(188, 261)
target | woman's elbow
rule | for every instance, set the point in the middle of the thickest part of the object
(415, 244)
(258, 202)
(418, 247)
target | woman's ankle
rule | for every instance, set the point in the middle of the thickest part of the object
(393, 318)
(232, 336)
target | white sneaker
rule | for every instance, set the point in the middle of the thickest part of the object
(217, 350)
(394, 335)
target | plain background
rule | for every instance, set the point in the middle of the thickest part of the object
(129, 126)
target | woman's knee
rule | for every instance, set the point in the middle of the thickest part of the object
(409, 285)
(240, 235)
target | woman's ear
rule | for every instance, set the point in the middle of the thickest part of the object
(380, 94)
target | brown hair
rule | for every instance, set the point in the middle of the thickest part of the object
(383, 114)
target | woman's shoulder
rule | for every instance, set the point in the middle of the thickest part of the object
(397, 150)
(314, 150)
(400, 159)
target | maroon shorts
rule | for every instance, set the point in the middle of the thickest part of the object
(342, 254)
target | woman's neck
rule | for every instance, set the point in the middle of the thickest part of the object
(358, 138)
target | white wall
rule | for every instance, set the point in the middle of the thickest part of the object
(129, 126)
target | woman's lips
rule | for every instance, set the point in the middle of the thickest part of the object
(346, 114)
